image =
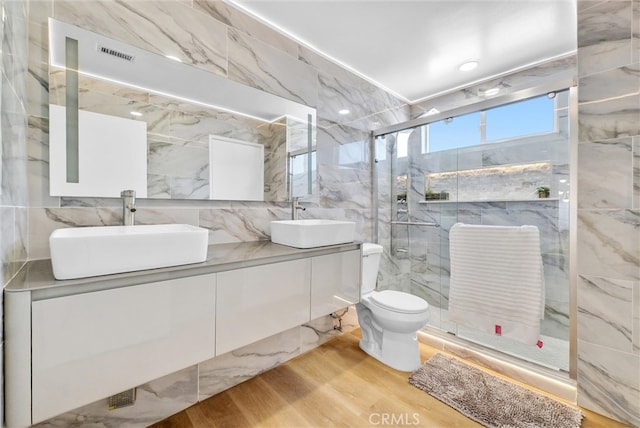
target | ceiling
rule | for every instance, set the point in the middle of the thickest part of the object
(414, 48)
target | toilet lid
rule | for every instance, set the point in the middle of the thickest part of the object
(400, 302)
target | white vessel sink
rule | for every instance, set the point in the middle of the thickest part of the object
(79, 252)
(312, 233)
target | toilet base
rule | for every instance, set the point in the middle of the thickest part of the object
(399, 351)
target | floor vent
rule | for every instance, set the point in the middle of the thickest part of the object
(123, 399)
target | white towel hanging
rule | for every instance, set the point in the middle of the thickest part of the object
(497, 280)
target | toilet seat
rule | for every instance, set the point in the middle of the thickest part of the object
(398, 301)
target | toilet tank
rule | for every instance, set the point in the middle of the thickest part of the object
(371, 254)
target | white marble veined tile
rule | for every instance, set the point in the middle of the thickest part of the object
(43, 221)
(605, 314)
(297, 135)
(636, 318)
(88, 84)
(15, 46)
(606, 21)
(603, 56)
(158, 186)
(236, 225)
(362, 218)
(197, 128)
(344, 188)
(275, 167)
(609, 382)
(551, 241)
(609, 84)
(14, 147)
(38, 72)
(556, 276)
(611, 190)
(318, 331)
(261, 66)
(343, 146)
(227, 14)
(362, 99)
(340, 89)
(635, 41)
(21, 239)
(388, 117)
(7, 240)
(610, 118)
(232, 368)
(38, 163)
(166, 28)
(189, 188)
(178, 161)
(149, 215)
(636, 172)
(155, 401)
(608, 244)
(40, 11)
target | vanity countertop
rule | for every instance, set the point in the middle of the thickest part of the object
(37, 275)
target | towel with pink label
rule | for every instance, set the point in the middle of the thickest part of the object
(497, 280)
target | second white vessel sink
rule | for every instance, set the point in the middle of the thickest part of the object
(310, 233)
(79, 252)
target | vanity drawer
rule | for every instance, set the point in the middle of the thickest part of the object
(257, 302)
(89, 346)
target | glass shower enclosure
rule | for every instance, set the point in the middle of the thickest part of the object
(488, 167)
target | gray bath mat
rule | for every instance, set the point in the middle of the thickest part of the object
(489, 400)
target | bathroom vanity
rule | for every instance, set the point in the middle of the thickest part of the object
(69, 343)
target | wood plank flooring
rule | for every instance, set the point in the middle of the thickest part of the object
(335, 385)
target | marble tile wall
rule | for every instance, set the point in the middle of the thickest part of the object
(301, 75)
(608, 283)
(221, 39)
(13, 143)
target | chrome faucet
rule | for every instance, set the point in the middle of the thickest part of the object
(295, 206)
(128, 207)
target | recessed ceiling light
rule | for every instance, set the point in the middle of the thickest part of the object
(468, 66)
(344, 111)
(136, 113)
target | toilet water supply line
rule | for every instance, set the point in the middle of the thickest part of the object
(335, 315)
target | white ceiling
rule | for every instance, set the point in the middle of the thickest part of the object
(414, 48)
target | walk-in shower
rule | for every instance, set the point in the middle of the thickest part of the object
(488, 164)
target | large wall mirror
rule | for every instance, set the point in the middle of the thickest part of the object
(125, 118)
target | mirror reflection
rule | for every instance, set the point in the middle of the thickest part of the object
(175, 132)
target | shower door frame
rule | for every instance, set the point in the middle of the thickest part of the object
(559, 85)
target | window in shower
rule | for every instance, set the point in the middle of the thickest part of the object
(454, 133)
(529, 117)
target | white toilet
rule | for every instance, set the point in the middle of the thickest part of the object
(389, 319)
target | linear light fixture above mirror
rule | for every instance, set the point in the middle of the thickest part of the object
(111, 60)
